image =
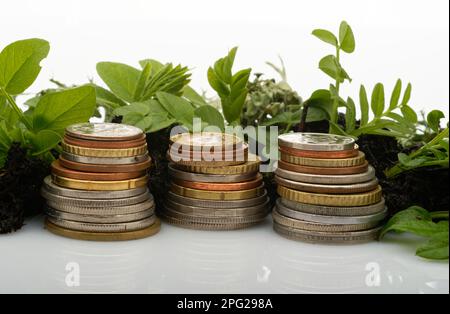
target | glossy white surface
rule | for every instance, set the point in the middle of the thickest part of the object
(186, 261)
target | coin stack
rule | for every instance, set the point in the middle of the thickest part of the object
(215, 183)
(98, 187)
(329, 192)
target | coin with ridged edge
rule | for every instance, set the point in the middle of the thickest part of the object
(104, 131)
(105, 168)
(105, 236)
(322, 170)
(105, 145)
(239, 186)
(103, 196)
(208, 140)
(251, 166)
(356, 237)
(325, 163)
(327, 179)
(329, 188)
(104, 152)
(100, 185)
(343, 211)
(360, 199)
(217, 195)
(316, 141)
(112, 210)
(321, 154)
(105, 160)
(332, 220)
(210, 178)
(188, 201)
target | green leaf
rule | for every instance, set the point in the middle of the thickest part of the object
(43, 141)
(142, 108)
(218, 85)
(409, 162)
(395, 97)
(156, 66)
(378, 101)
(331, 67)
(177, 107)
(20, 64)
(56, 111)
(350, 117)
(321, 99)
(211, 116)
(326, 36)
(346, 38)
(132, 118)
(194, 97)
(409, 114)
(437, 247)
(407, 95)
(142, 82)
(364, 104)
(157, 122)
(121, 79)
(434, 120)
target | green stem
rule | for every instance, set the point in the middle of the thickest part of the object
(16, 108)
(335, 108)
(439, 215)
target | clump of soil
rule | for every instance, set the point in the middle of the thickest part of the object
(20, 183)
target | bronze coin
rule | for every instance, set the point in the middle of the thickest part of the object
(220, 186)
(320, 154)
(61, 171)
(206, 155)
(105, 145)
(142, 166)
(325, 171)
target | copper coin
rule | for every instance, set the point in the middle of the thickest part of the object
(61, 171)
(207, 155)
(325, 171)
(221, 186)
(320, 154)
(105, 145)
(142, 166)
(208, 140)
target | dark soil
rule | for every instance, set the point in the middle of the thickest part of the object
(20, 183)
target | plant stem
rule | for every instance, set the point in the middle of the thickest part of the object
(335, 108)
(16, 108)
(439, 215)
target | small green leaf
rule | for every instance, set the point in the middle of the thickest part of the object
(346, 38)
(137, 107)
(211, 116)
(437, 247)
(177, 107)
(121, 79)
(350, 117)
(407, 95)
(395, 95)
(409, 114)
(132, 118)
(20, 64)
(434, 120)
(155, 65)
(218, 85)
(142, 82)
(330, 66)
(326, 36)
(378, 101)
(364, 104)
(321, 99)
(43, 141)
(194, 97)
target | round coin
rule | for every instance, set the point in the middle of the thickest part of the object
(333, 220)
(110, 236)
(103, 152)
(104, 160)
(324, 171)
(105, 145)
(195, 177)
(217, 195)
(351, 200)
(321, 154)
(327, 179)
(325, 163)
(123, 197)
(99, 185)
(210, 164)
(355, 237)
(207, 141)
(329, 188)
(250, 166)
(103, 227)
(61, 171)
(104, 131)
(105, 168)
(343, 211)
(247, 185)
(320, 227)
(316, 141)
(90, 209)
(102, 219)
(189, 201)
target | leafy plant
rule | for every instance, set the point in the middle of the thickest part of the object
(420, 222)
(39, 129)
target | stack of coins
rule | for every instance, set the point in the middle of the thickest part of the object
(215, 183)
(98, 187)
(329, 193)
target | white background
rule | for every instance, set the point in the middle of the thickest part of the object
(405, 39)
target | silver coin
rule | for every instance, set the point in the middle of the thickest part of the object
(356, 237)
(105, 160)
(217, 204)
(96, 195)
(99, 228)
(218, 212)
(102, 219)
(329, 188)
(108, 210)
(334, 211)
(210, 178)
(316, 141)
(327, 179)
(104, 131)
(332, 220)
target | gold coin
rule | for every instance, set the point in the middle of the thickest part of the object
(100, 185)
(325, 163)
(111, 236)
(352, 200)
(104, 152)
(250, 166)
(217, 195)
